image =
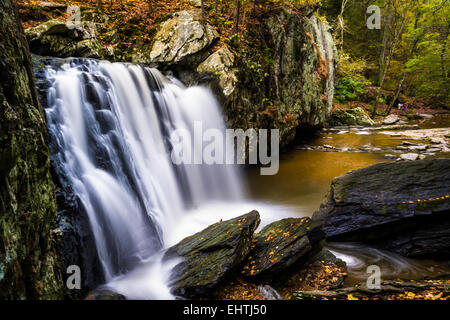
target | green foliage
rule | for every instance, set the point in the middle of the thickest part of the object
(347, 89)
(352, 68)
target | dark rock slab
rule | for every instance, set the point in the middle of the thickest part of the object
(282, 245)
(403, 207)
(211, 255)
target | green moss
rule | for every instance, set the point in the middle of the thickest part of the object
(29, 262)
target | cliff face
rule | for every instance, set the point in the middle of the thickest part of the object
(295, 88)
(29, 267)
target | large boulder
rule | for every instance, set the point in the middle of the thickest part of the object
(220, 64)
(287, 80)
(282, 245)
(60, 39)
(356, 116)
(403, 207)
(211, 256)
(181, 39)
(29, 261)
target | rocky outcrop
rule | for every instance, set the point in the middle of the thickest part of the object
(29, 263)
(285, 82)
(282, 245)
(403, 207)
(351, 117)
(220, 64)
(211, 256)
(182, 39)
(60, 39)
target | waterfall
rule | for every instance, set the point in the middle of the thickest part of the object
(328, 51)
(110, 130)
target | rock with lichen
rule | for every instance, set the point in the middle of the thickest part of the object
(211, 256)
(350, 117)
(283, 245)
(64, 39)
(399, 206)
(182, 39)
(29, 260)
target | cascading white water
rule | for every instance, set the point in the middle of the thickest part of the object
(112, 125)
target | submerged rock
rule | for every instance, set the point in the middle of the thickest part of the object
(60, 39)
(282, 245)
(294, 90)
(105, 294)
(399, 206)
(210, 256)
(182, 38)
(350, 117)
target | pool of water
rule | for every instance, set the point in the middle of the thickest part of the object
(304, 178)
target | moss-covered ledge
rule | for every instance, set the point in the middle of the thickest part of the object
(29, 267)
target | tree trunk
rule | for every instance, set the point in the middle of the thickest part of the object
(202, 5)
(387, 24)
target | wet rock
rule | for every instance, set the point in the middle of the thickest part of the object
(407, 143)
(220, 64)
(395, 127)
(211, 255)
(433, 150)
(399, 289)
(269, 293)
(391, 119)
(30, 264)
(417, 148)
(425, 116)
(409, 156)
(422, 156)
(182, 39)
(105, 294)
(356, 116)
(399, 206)
(282, 245)
(390, 156)
(59, 39)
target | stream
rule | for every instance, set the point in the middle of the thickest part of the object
(305, 175)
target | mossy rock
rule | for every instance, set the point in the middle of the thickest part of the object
(281, 245)
(30, 265)
(400, 206)
(211, 256)
(356, 116)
